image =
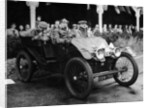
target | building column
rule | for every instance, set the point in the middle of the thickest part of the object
(137, 19)
(100, 11)
(137, 15)
(32, 6)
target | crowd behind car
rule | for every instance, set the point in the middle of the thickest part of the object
(61, 30)
(61, 26)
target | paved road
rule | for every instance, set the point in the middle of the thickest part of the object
(42, 93)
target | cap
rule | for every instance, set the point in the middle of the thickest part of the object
(82, 22)
(43, 25)
(74, 25)
(64, 20)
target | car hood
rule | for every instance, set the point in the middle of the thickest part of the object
(87, 46)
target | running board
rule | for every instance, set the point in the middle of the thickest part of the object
(99, 74)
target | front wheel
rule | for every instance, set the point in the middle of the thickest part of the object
(78, 77)
(130, 71)
(24, 66)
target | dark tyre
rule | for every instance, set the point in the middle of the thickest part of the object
(130, 71)
(24, 66)
(78, 77)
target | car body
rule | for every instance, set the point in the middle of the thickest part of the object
(78, 60)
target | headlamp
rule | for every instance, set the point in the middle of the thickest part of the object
(100, 54)
(117, 52)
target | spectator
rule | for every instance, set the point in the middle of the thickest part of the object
(133, 29)
(12, 31)
(56, 25)
(129, 30)
(96, 31)
(21, 28)
(126, 29)
(38, 21)
(110, 28)
(120, 29)
(115, 30)
(105, 28)
(52, 26)
(74, 27)
(27, 27)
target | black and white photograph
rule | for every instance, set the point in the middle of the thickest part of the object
(73, 53)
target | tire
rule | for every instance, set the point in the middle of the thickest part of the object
(78, 69)
(26, 66)
(134, 76)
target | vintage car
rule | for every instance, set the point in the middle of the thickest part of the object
(79, 61)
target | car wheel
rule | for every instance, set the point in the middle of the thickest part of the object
(78, 77)
(130, 73)
(24, 66)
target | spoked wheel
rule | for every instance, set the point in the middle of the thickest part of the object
(24, 66)
(129, 73)
(78, 77)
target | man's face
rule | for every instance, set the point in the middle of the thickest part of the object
(57, 23)
(21, 27)
(13, 26)
(39, 18)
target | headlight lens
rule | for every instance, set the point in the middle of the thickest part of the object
(100, 54)
(117, 52)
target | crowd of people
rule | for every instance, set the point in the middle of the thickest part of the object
(61, 29)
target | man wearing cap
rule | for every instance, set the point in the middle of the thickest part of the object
(82, 31)
(63, 30)
(63, 27)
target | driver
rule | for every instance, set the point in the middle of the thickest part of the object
(82, 31)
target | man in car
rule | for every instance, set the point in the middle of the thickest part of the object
(82, 31)
(63, 31)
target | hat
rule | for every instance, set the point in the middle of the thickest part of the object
(43, 25)
(82, 22)
(64, 20)
(74, 25)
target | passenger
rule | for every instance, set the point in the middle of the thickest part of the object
(41, 31)
(63, 28)
(74, 30)
(27, 27)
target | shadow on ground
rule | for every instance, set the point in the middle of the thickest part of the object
(43, 92)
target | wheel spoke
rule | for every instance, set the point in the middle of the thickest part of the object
(78, 78)
(124, 63)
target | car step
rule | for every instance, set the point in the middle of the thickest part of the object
(99, 74)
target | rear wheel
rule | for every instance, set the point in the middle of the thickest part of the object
(78, 77)
(24, 66)
(129, 66)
